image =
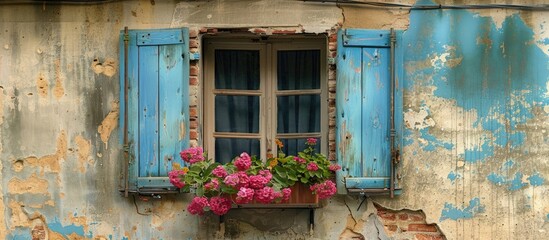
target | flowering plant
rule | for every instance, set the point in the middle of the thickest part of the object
(247, 178)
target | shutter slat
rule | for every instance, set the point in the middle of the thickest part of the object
(148, 111)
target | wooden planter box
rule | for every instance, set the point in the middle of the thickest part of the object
(301, 197)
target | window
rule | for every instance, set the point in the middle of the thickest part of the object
(157, 103)
(364, 146)
(256, 91)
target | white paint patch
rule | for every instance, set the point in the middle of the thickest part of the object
(418, 120)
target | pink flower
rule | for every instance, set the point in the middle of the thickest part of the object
(265, 195)
(324, 190)
(312, 166)
(243, 179)
(311, 141)
(220, 205)
(267, 174)
(334, 167)
(212, 185)
(197, 205)
(299, 160)
(244, 195)
(243, 162)
(174, 178)
(258, 181)
(232, 180)
(286, 194)
(219, 172)
(192, 155)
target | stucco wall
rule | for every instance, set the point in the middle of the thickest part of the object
(476, 113)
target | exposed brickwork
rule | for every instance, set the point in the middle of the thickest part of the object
(407, 224)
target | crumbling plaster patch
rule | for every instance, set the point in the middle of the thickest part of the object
(109, 123)
(84, 150)
(32, 185)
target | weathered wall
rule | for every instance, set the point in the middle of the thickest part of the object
(476, 111)
(60, 157)
(476, 115)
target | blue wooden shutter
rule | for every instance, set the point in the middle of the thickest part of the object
(158, 104)
(363, 109)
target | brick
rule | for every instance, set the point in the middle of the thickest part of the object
(403, 216)
(417, 217)
(332, 38)
(193, 134)
(386, 215)
(391, 228)
(194, 70)
(194, 43)
(193, 81)
(193, 124)
(193, 112)
(422, 236)
(422, 228)
(193, 33)
(332, 46)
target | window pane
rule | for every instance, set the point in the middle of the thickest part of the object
(298, 69)
(298, 114)
(292, 146)
(228, 148)
(237, 114)
(237, 69)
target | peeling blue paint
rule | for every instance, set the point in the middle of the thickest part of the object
(547, 218)
(508, 164)
(545, 41)
(516, 183)
(502, 81)
(536, 180)
(19, 234)
(454, 213)
(496, 179)
(433, 142)
(56, 226)
(453, 176)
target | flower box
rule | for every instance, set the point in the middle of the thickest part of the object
(301, 197)
(283, 181)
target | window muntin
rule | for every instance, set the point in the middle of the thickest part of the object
(289, 103)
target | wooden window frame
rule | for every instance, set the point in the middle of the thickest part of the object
(267, 90)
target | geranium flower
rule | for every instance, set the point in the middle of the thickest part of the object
(267, 174)
(192, 155)
(286, 194)
(311, 141)
(257, 181)
(312, 166)
(232, 180)
(212, 185)
(265, 195)
(220, 205)
(299, 160)
(244, 195)
(219, 172)
(243, 162)
(174, 178)
(324, 190)
(197, 205)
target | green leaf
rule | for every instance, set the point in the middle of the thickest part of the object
(200, 191)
